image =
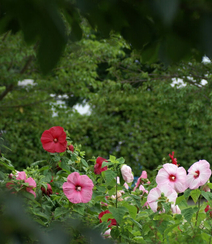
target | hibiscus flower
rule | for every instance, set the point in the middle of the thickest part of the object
(126, 172)
(22, 176)
(198, 174)
(47, 191)
(98, 166)
(78, 188)
(140, 181)
(54, 140)
(172, 175)
(155, 195)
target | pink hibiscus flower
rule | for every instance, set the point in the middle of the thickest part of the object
(78, 188)
(22, 176)
(126, 172)
(113, 221)
(198, 174)
(98, 166)
(54, 140)
(172, 175)
(175, 209)
(155, 195)
(139, 181)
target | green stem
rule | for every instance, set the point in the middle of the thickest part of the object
(116, 193)
(199, 201)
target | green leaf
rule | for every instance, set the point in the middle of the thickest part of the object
(28, 195)
(79, 208)
(210, 185)
(195, 194)
(47, 178)
(84, 163)
(131, 209)
(121, 160)
(187, 193)
(105, 164)
(2, 175)
(43, 215)
(188, 213)
(45, 168)
(107, 216)
(8, 166)
(135, 222)
(112, 159)
(65, 166)
(181, 202)
(207, 195)
(109, 176)
(60, 211)
(118, 213)
(38, 162)
(169, 229)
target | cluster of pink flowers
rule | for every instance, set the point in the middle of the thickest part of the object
(172, 179)
(22, 177)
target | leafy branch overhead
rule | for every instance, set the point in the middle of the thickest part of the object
(166, 30)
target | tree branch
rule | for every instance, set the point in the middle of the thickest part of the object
(8, 89)
(26, 105)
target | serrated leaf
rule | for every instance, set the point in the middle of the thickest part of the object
(171, 228)
(188, 213)
(106, 216)
(65, 166)
(105, 164)
(207, 195)
(84, 163)
(118, 213)
(131, 209)
(195, 194)
(109, 176)
(187, 193)
(210, 185)
(28, 195)
(181, 202)
(60, 211)
(112, 159)
(121, 160)
(43, 215)
(135, 222)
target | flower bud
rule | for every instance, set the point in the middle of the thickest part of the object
(47, 191)
(71, 148)
(126, 172)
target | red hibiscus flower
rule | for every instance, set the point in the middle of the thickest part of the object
(71, 148)
(54, 140)
(47, 191)
(113, 221)
(98, 166)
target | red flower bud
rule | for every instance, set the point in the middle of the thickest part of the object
(47, 191)
(71, 148)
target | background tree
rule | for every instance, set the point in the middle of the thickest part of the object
(164, 30)
(135, 112)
